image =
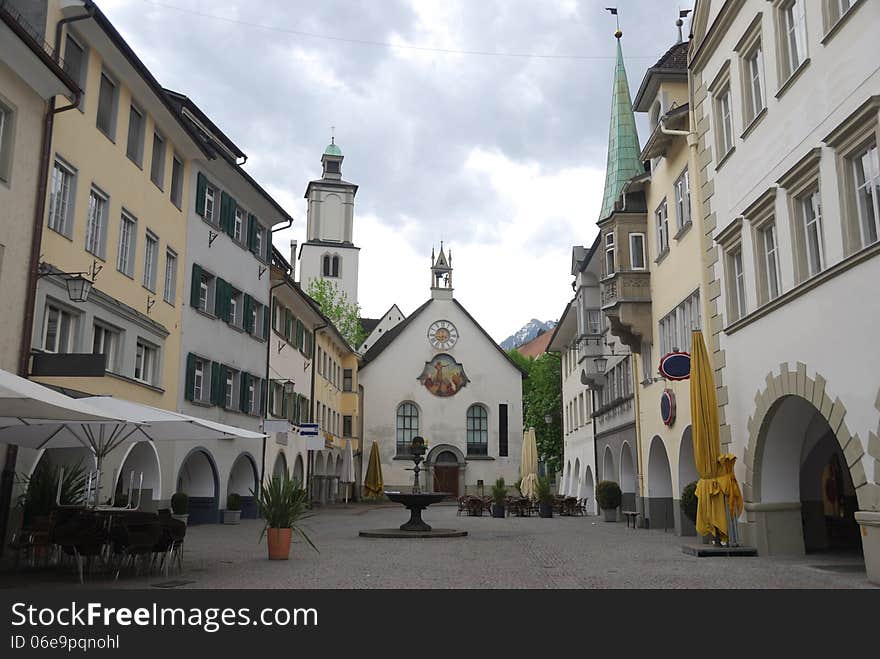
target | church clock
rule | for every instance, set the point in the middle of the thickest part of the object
(442, 335)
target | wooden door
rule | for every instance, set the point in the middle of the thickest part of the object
(446, 479)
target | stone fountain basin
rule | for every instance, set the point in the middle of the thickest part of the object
(421, 500)
(415, 527)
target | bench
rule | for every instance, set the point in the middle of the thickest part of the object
(631, 515)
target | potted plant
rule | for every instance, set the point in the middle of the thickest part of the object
(499, 497)
(283, 504)
(232, 514)
(608, 496)
(689, 507)
(180, 507)
(545, 497)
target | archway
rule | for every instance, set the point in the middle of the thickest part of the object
(141, 458)
(575, 488)
(687, 474)
(197, 479)
(318, 475)
(589, 490)
(627, 478)
(280, 467)
(608, 471)
(298, 469)
(243, 480)
(566, 479)
(806, 492)
(444, 470)
(659, 505)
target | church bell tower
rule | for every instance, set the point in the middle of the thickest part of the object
(441, 275)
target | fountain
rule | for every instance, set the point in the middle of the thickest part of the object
(415, 501)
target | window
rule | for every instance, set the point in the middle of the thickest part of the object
(753, 84)
(332, 167)
(106, 341)
(676, 327)
(647, 364)
(204, 293)
(477, 430)
(252, 396)
(502, 430)
(347, 377)
(151, 259)
(682, 189)
(127, 240)
(177, 181)
(199, 390)
(258, 241)
(325, 263)
(793, 42)
(335, 266)
(61, 196)
(239, 223)
(835, 10)
(346, 426)
(157, 164)
(407, 427)
(736, 284)
(209, 203)
(594, 320)
(107, 98)
(812, 241)
(135, 147)
(58, 330)
(609, 254)
(75, 61)
(866, 180)
(235, 318)
(661, 216)
(768, 264)
(230, 387)
(637, 251)
(723, 123)
(170, 292)
(96, 223)
(145, 362)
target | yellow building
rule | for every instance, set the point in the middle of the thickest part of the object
(117, 190)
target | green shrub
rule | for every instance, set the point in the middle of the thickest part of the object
(233, 501)
(41, 488)
(179, 503)
(499, 491)
(608, 495)
(544, 490)
(689, 501)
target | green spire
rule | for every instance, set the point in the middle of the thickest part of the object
(623, 139)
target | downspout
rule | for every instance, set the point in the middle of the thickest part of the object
(640, 502)
(309, 474)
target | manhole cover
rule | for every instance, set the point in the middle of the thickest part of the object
(172, 584)
(845, 569)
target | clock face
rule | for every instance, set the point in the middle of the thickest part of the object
(442, 335)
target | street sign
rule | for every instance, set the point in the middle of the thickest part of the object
(676, 366)
(311, 433)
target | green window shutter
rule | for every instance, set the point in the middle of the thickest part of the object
(265, 322)
(224, 208)
(288, 324)
(215, 382)
(299, 334)
(252, 232)
(248, 323)
(263, 397)
(283, 403)
(274, 312)
(190, 376)
(195, 285)
(220, 304)
(242, 399)
(308, 348)
(201, 189)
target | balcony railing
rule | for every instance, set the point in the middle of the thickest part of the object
(626, 287)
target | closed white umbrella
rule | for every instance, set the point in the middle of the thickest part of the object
(347, 476)
(529, 465)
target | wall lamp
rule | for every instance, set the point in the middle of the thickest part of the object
(79, 284)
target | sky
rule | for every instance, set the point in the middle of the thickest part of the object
(482, 124)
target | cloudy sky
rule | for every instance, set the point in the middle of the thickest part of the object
(482, 123)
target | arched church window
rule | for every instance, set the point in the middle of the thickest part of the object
(335, 266)
(477, 430)
(407, 426)
(325, 266)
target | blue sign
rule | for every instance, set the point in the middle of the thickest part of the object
(676, 366)
(308, 430)
(667, 407)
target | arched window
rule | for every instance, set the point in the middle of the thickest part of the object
(477, 430)
(407, 426)
(335, 266)
(326, 265)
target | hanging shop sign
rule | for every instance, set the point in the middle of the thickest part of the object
(676, 366)
(667, 407)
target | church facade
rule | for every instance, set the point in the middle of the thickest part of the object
(439, 375)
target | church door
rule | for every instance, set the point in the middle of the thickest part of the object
(446, 474)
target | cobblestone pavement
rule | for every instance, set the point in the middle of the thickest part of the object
(563, 552)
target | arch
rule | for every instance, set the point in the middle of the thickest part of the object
(798, 435)
(451, 475)
(627, 480)
(243, 480)
(659, 505)
(566, 477)
(319, 463)
(141, 458)
(575, 488)
(335, 263)
(197, 478)
(608, 471)
(326, 267)
(298, 471)
(589, 491)
(280, 467)
(687, 467)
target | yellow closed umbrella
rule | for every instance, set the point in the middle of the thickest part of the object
(711, 515)
(373, 485)
(529, 465)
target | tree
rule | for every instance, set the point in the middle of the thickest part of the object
(542, 396)
(334, 304)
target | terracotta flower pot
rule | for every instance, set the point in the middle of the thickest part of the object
(279, 543)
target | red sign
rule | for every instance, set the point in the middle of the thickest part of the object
(676, 366)
(667, 407)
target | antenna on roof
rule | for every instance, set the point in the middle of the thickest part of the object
(682, 13)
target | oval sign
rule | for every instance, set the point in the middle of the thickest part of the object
(667, 407)
(676, 366)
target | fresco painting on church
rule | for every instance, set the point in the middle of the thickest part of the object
(443, 376)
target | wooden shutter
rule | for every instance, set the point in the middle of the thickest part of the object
(220, 299)
(252, 232)
(248, 323)
(221, 391)
(215, 383)
(299, 334)
(265, 322)
(195, 286)
(201, 189)
(288, 324)
(190, 376)
(243, 397)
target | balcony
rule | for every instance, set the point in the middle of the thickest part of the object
(626, 301)
(81, 365)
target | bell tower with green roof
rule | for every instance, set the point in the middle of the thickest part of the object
(623, 139)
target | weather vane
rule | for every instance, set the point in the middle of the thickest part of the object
(614, 13)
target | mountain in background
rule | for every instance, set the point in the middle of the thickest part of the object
(528, 332)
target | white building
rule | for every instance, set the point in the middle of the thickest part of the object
(786, 99)
(379, 326)
(438, 374)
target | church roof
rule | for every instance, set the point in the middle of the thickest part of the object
(623, 140)
(369, 324)
(387, 339)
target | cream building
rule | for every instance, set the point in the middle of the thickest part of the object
(786, 103)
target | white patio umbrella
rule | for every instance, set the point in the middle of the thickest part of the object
(347, 476)
(529, 465)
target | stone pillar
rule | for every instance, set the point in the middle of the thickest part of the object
(776, 528)
(870, 526)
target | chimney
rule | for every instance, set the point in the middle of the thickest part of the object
(293, 245)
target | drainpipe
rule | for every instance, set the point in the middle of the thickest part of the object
(640, 502)
(8, 475)
(309, 456)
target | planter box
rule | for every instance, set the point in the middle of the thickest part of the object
(498, 511)
(610, 514)
(545, 510)
(231, 516)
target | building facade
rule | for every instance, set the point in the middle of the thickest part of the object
(785, 98)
